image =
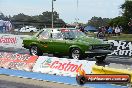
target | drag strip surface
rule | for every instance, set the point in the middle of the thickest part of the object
(8, 84)
(15, 82)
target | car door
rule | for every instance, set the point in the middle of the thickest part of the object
(44, 40)
(59, 43)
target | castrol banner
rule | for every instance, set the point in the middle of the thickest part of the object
(17, 61)
(61, 66)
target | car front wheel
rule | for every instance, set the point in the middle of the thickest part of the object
(81, 80)
(34, 50)
(76, 54)
(100, 59)
(31, 31)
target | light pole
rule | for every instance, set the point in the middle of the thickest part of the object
(53, 13)
(77, 19)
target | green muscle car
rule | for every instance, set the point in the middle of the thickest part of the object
(67, 41)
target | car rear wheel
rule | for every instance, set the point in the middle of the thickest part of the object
(76, 54)
(100, 59)
(34, 50)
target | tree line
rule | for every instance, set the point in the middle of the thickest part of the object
(122, 20)
(40, 21)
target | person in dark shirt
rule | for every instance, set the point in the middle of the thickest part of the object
(65, 26)
(81, 28)
(101, 33)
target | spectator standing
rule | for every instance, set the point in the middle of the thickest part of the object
(117, 30)
(99, 30)
(106, 29)
(81, 28)
(103, 29)
(113, 32)
(101, 33)
(110, 30)
(1, 26)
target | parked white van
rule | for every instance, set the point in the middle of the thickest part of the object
(29, 29)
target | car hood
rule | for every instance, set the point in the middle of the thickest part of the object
(89, 40)
(29, 38)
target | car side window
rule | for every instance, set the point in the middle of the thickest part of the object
(68, 35)
(44, 35)
(57, 36)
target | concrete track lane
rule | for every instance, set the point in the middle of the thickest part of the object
(7, 84)
(15, 82)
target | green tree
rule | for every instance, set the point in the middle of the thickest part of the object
(120, 21)
(45, 19)
(21, 17)
(127, 13)
(3, 17)
(41, 21)
(125, 18)
(98, 21)
(127, 9)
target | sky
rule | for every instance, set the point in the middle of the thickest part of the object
(68, 10)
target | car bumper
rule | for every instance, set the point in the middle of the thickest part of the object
(99, 52)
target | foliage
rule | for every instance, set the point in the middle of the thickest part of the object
(127, 9)
(98, 21)
(125, 18)
(40, 21)
(120, 21)
(3, 17)
(21, 17)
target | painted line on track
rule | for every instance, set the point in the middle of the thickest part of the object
(53, 78)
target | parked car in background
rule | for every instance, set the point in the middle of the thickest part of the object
(67, 41)
(28, 29)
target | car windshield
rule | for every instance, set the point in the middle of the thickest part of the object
(72, 34)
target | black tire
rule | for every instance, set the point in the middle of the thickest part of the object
(38, 51)
(81, 80)
(78, 53)
(100, 59)
(31, 31)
